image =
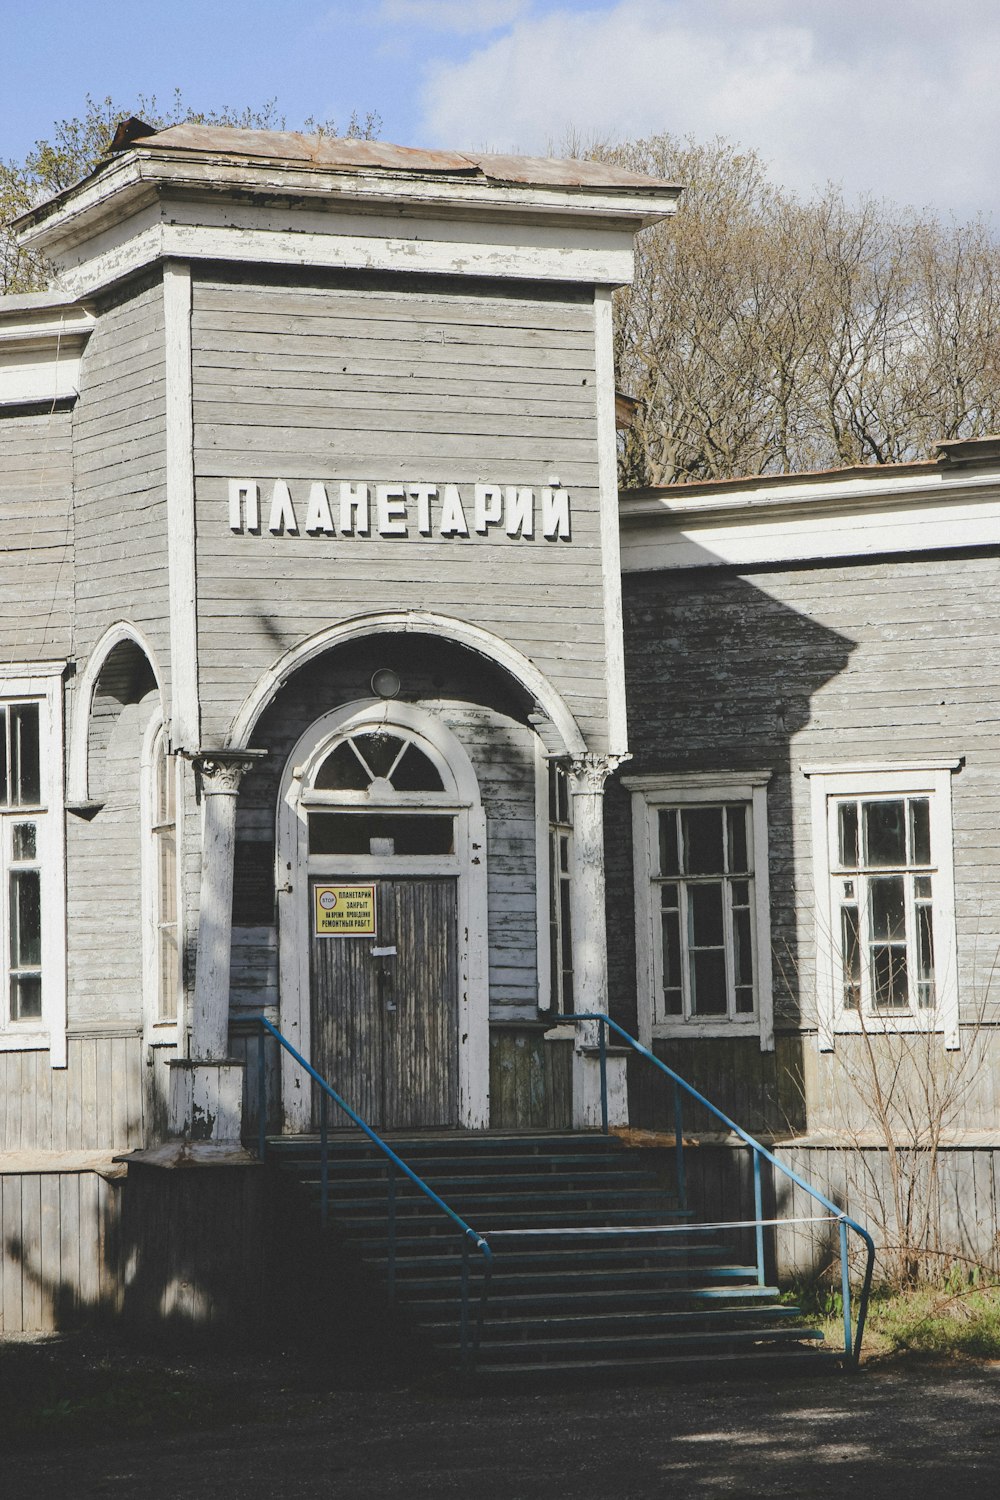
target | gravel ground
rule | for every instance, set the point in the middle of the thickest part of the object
(897, 1433)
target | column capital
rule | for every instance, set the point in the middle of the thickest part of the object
(589, 772)
(221, 771)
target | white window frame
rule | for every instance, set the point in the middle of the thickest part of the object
(650, 794)
(159, 1032)
(41, 684)
(830, 784)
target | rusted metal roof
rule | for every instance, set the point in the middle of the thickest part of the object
(346, 154)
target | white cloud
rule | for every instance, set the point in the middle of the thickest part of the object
(897, 100)
(461, 17)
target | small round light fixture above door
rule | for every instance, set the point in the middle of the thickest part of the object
(385, 683)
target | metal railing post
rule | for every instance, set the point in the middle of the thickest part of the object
(390, 1189)
(324, 1164)
(464, 1340)
(261, 1096)
(679, 1149)
(602, 1045)
(758, 1213)
(845, 1288)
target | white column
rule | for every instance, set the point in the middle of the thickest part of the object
(207, 1087)
(587, 775)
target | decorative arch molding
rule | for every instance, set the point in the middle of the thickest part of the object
(421, 622)
(469, 864)
(78, 777)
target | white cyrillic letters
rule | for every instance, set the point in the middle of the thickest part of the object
(453, 522)
(354, 508)
(520, 508)
(244, 505)
(555, 515)
(318, 515)
(488, 507)
(423, 494)
(282, 517)
(390, 509)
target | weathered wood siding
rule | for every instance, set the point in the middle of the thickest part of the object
(95, 1103)
(59, 1249)
(104, 884)
(531, 1080)
(36, 526)
(963, 1188)
(357, 378)
(874, 660)
(119, 473)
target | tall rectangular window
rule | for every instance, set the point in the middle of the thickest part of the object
(702, 919)
(560, 927)
(885, 918)
(32, 884)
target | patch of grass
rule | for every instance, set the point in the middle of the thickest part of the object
(956, 1318)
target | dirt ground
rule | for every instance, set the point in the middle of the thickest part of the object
(242, 1427)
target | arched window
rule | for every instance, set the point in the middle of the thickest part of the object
(388, 770)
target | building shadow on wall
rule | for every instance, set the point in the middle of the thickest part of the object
(721, 676)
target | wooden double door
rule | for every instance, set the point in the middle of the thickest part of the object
(385, 1008)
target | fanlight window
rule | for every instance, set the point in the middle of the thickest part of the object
(395, 763)
(390, 770)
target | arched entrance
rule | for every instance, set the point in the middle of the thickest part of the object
(381, 853)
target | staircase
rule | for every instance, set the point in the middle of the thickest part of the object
(566, 1299)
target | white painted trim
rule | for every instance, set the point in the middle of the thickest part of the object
(611, 566)
(853, 780)
(469, 865)
(543, 855)
(78, 788)
(825, 518)
(600, 258)
(876, 772)
(185, 713)
(406, 622)
(669, 789)
(155, 1031)
(43, 681)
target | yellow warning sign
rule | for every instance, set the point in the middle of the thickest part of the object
(344, 910)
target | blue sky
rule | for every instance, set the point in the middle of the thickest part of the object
(897, 99)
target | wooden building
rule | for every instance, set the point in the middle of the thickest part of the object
(313, 705)
(312, 600)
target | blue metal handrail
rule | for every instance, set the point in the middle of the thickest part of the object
(470, 1237)
(852, 1340)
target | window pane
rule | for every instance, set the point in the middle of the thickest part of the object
(889, 978)
(566, 930)
(379, 751)
(847, 820)
(705, 915)
(672, 957)
(702, 827)
(736, 827)
(885, 832)
(742, 951)
(416, 772)
(165, 787)
(850, 947)
(669, 863)
(888, 909)
(4, 786)
(25, 763)
(342, 771)
(26, 997)
(922, 887)
(25, 919)
(920, 831)
(925, 957)
(708, 983)
(352, 833)
(168, 966)
(24, 841)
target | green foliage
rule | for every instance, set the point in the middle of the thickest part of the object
(80, 143)
(957, 1317)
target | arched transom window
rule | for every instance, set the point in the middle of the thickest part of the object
(381, 792)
